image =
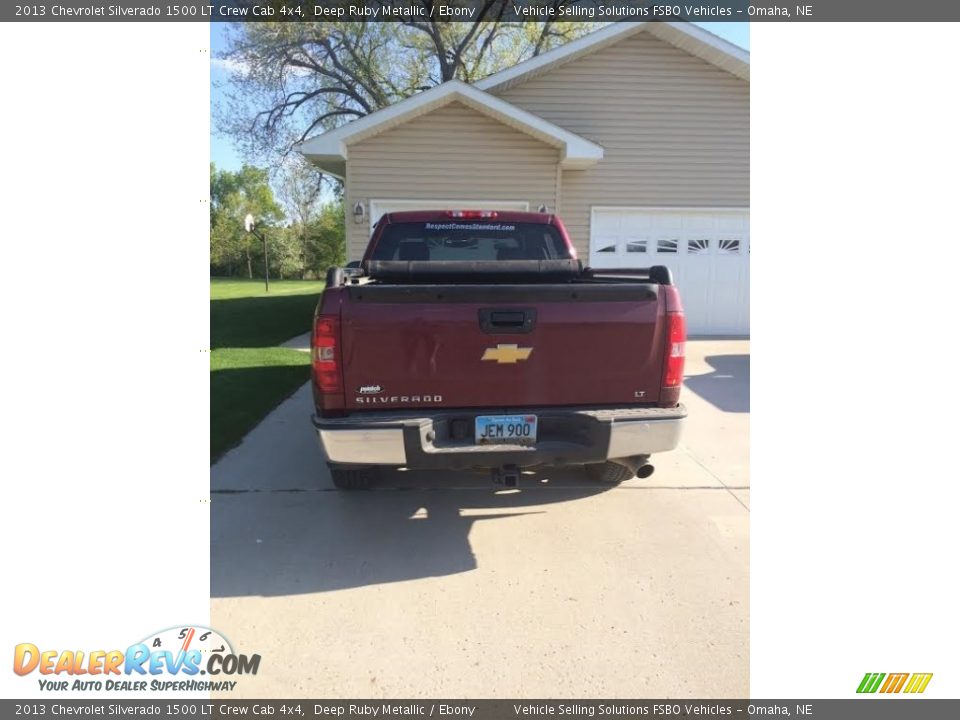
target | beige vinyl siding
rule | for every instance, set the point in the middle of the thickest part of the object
(452, 153)
(675, 129)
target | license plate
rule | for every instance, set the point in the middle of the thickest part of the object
(506, 430)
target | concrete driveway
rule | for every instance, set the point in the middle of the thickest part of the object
(437, 585)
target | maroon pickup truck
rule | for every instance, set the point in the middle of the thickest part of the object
(475, 339)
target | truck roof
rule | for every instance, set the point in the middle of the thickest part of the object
(438, 215)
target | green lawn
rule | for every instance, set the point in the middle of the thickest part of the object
(249, 375)
(243, 315)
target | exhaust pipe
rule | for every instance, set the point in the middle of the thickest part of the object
(645, 471)
(638, 465)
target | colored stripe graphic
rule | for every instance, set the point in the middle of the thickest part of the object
(918, 682)
(870, 682)
(894, 682)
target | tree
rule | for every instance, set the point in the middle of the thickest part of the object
(232, 196)
(300, 191)
(307, 250)
(292, 80)
(285, 259)
(327, 243)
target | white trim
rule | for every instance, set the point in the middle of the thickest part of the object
(575, 152)
(686, 36)
(447, 205)
(341, 177)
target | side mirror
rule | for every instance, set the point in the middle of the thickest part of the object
(353, 264)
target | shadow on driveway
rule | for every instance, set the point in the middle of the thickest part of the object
(271, 543)
(728, 387)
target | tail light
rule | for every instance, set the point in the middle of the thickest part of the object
(465, 214)
(674, 356)
(327, 371)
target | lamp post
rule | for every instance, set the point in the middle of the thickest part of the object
(250, 224)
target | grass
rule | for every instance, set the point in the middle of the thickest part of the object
(249, 375)
(243, 315)
(232, 288)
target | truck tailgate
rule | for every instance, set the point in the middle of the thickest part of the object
(502, 346)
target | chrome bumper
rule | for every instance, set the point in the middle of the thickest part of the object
(371, 446)
(582, 436)
(643, 437)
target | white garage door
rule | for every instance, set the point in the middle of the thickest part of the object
(707, 250)
(378, 208)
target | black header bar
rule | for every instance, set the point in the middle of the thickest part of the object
(474, 10)
(205, 708)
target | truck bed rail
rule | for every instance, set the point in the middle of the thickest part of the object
(659, 274)
(491, 272)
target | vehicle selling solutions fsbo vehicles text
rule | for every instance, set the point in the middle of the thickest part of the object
(660, 11)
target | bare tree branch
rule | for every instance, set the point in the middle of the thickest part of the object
(288, 80)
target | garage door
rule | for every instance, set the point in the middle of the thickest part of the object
(707, 250)
(378, 208)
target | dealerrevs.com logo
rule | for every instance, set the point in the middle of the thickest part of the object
(174, 659)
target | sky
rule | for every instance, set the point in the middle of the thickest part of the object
(223, 153)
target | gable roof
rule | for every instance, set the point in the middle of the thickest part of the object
(330, 149)
(686, 36)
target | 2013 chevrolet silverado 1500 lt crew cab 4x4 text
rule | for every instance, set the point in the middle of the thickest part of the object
(476, 339)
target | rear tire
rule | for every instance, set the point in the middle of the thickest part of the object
(608, 473)
(352, 478)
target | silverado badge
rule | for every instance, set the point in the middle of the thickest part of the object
(507, 354)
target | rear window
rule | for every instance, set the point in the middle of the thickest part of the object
(470, 240)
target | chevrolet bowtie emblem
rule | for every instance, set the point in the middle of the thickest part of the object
(507, 354)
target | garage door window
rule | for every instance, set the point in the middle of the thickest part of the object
(729, 246)
(637, 246)
(698, 246)
(667, 245)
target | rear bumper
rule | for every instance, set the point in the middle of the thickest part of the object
(566, 436)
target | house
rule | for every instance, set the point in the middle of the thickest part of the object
(637, 135)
